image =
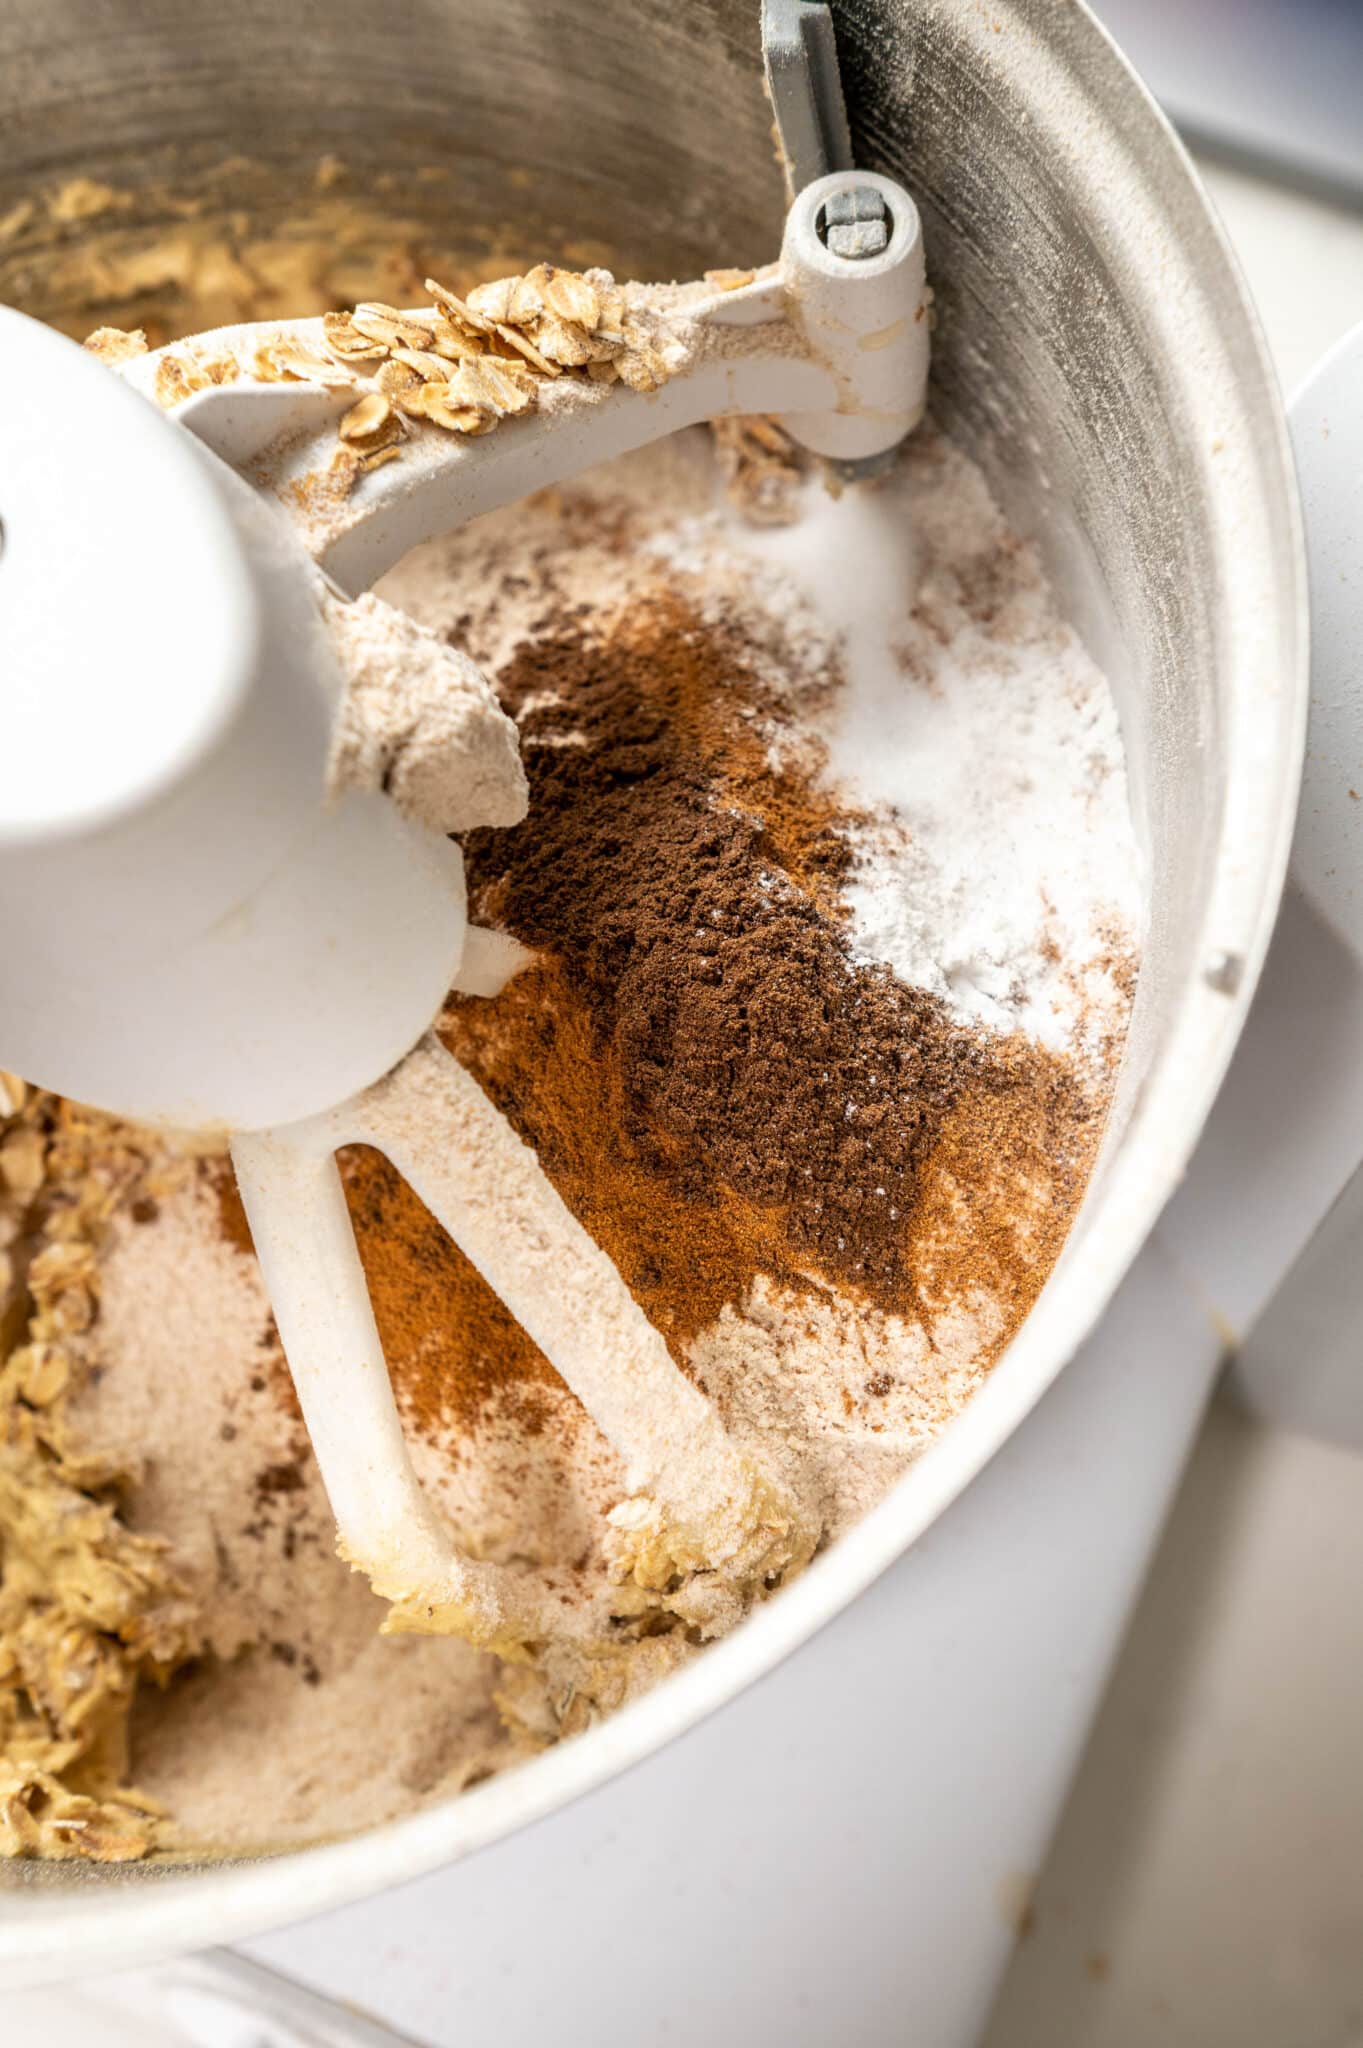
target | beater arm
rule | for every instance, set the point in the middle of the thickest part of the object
(835, 346)
(695, 1503)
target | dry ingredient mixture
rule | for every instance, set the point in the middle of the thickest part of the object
(829, 905)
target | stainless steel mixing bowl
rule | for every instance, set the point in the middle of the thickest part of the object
(1094, 352)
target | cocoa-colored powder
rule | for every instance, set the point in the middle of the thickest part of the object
(746, 1063)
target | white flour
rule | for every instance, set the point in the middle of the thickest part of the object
(997, 865)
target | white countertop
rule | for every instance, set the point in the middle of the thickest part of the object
(1206, 1884)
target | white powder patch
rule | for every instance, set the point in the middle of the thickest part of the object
(997, 864)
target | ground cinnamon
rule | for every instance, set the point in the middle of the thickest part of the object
(453, 1350)
(712, 1083)
(714, 1086)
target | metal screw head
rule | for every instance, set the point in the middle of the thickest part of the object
(855, 223)
(1222, 972)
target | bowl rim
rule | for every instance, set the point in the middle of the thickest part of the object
(64, 1928)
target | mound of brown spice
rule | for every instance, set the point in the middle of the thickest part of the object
(714, 1086)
